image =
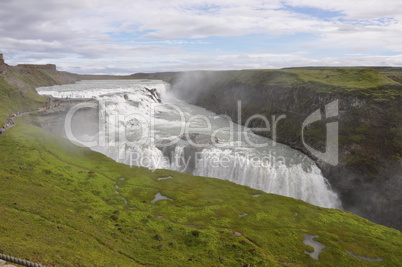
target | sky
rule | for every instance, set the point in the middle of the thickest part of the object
(130, 36)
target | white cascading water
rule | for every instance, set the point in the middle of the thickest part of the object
(137, 128)
(292, 181)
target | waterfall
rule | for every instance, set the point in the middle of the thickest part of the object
(135, 128)
(271, 177)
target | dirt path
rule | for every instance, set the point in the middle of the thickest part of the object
(55, 105)
(11, 118)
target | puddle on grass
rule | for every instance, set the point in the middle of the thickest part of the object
(318, 247)
(256, 195)
(242, 215)
(158, 197)
(164, 178)
(362, 257)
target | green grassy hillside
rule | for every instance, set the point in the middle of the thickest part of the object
(346, 77)
(361, 81)
(59, 207)
(17, 86)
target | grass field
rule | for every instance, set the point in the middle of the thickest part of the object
(59, 207)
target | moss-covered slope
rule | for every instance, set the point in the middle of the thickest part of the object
(66, 206)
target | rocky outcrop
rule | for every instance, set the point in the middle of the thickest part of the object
(38, 67)
(192, 144)
(368, 176)
(154, 94)
(3, 65)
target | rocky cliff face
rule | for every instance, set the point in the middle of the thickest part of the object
(368, 176)
(38, 67)
(2, 64)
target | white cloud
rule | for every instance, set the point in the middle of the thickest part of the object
(152, 35)
(356, 9)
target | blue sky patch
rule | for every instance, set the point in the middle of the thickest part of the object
(315, 12)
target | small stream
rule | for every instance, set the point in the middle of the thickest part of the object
(117, 192)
